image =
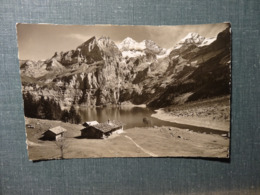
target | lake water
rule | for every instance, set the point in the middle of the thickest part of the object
(133, 117)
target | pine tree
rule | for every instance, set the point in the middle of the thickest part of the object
(47, 109)
(40, 108)
(74, 117)
(65, 116)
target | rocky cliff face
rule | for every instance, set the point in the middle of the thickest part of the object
(88, 75)
(99, 73)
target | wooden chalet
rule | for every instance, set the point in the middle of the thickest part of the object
(53, 134)
(102, 130)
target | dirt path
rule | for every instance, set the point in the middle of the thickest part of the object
(144, 150)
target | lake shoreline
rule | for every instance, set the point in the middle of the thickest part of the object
(122, 104)
(193, 121)
(213, 113)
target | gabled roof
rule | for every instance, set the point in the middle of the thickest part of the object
(104, 127)
(108, 126)
(57, 130)
(90, 123)
(119, 123)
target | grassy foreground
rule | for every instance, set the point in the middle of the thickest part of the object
(135, 142)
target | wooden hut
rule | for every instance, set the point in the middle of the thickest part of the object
(54, 133)
(102, 130)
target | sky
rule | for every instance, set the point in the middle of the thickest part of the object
(41, 41)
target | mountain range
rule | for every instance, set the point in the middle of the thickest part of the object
(98, 72)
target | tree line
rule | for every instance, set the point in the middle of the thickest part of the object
(48, 109)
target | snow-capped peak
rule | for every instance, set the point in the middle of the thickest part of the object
(128, 40)
(192, 38)
(130, 44)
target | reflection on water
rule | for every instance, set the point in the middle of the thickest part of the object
(133, 117)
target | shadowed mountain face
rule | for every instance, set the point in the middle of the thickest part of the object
(98, 72)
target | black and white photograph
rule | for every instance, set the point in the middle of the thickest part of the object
(94, 91)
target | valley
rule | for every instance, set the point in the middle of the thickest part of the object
(173, 101)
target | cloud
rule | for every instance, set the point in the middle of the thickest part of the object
(78, 37)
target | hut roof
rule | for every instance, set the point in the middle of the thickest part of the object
(57, 130)
(90, 123)
(119, 123)
(108, 126)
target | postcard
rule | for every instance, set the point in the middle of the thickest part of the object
(94, 91)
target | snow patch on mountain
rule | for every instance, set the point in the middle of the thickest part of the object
(104, 42)
(165, 54)
(132, 54)
(91, 45)
(207, 41)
